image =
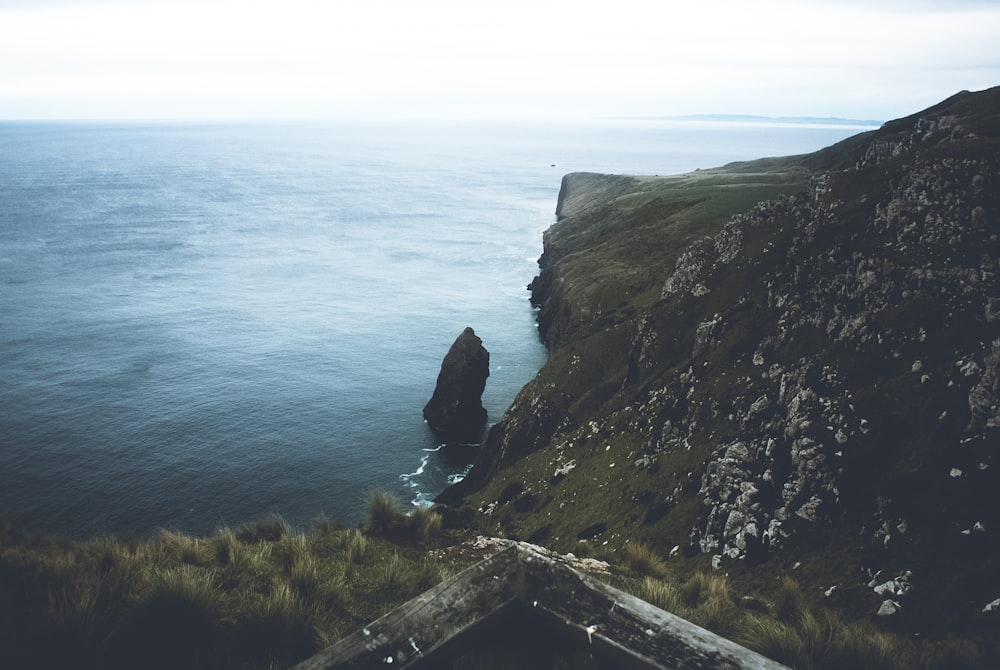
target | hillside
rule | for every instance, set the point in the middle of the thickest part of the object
(780, 367)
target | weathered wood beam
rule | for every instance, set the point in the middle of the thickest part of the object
(525, 607)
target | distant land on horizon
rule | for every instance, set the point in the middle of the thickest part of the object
(751, 118)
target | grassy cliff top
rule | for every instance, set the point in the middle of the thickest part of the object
(781, 368)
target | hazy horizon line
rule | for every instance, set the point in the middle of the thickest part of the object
(721, 118)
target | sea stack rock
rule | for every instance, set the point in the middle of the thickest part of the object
(456, 411)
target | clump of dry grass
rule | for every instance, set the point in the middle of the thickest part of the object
(423, 524)
(395, 574)
(279, 628)
(710, 603)
(386, 518)
(664, 594)
(643, 560)
(269, 529)
(428, 574)
(177, 547)
(824, 642)
(174, 618)
(385, 513)
(793, 632)
(356, 546)
(263, 596)
(790, 603)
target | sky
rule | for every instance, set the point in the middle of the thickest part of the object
(515, 60)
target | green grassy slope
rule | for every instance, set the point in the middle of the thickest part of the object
(809, 392)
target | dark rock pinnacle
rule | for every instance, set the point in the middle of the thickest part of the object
(455, 411)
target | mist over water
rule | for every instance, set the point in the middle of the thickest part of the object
(204, 324)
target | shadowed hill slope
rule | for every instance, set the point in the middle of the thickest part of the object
(782, 363)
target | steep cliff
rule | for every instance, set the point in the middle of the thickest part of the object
(785, 362)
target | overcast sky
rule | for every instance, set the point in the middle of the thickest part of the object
(533, 59)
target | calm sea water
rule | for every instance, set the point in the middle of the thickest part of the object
(204, 324)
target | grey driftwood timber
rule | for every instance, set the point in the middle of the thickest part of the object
(523, 608)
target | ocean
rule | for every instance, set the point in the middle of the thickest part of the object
(205, 323)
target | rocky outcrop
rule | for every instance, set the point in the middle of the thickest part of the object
(777, 362)
(455, 410)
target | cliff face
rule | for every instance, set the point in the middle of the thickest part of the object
(788, 361)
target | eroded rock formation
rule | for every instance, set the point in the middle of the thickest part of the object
(455, 410)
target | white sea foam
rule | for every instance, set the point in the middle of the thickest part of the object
(408, 477)
(457, 477)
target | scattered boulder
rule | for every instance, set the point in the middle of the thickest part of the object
(888, 608)
(455, 410)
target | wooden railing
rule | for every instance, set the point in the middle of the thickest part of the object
(524, 609)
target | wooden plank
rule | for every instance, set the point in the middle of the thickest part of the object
(630, 629)
(527, 608)
(426, 622)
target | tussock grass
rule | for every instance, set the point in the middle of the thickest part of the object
(704, 599)
(386, 518)
(952, 653)
(356, 546)
(292, 549)
(304, 577)
(265, 599)
(395, 573)
(795, 631)
(174, 618)
(643, 560)
(423, 524)
(324, 525)
(664, 594)
(790, 604)
(824, 642)
(710, 603)
(385, 513)
(269, 529)
(428, 574)
(228, 549)
(263, 596)
(279, 628)
(177, 547)
(704, 587)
